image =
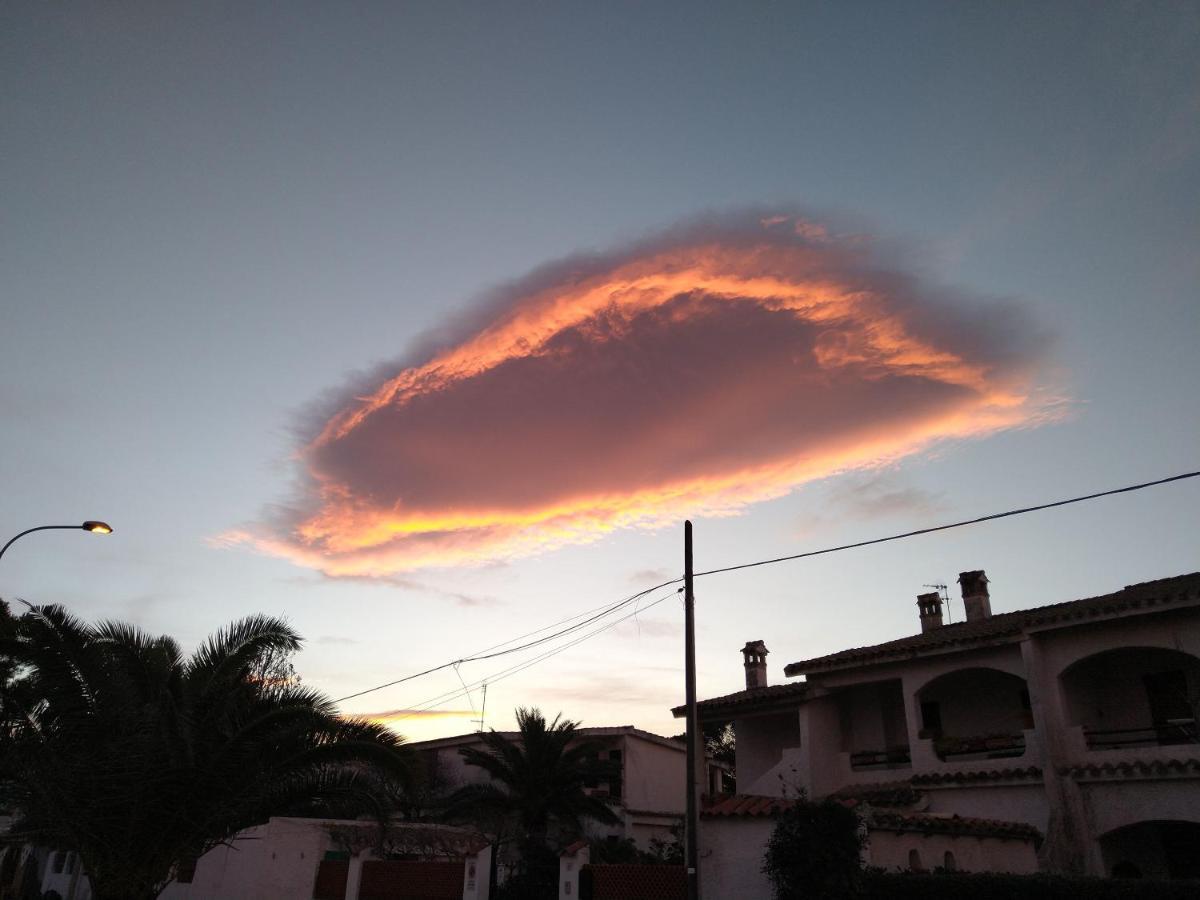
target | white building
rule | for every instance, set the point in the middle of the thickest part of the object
(649, 794)
(1077, 720)
(295, 859)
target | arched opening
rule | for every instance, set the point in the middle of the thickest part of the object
(1134, 697)
(949, 863)
(975, 714)
(914, 861)
(872, 725)
(1156, 850)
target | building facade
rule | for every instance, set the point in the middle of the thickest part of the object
(649, 793)
(1076, 721)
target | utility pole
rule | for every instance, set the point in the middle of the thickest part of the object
(692, 826)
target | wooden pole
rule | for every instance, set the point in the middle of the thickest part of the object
(692, 826)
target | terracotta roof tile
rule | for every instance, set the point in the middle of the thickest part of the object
(1000, 628)
(796, 689)
(929, 823)
(883, 793)
(747, 806)
(933, 779)
(1138, 768)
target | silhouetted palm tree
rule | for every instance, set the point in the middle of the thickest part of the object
(538, 778)
(115, 745)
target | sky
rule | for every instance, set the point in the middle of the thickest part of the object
(426, 325)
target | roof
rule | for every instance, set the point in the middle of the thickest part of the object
(883, 793)
(1151, 596)
(937, 779)
(930, 823)
(750, 806)
(757, 696)
(476, 737)
(1136, 768)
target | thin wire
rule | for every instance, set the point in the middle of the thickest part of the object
(524, 664)
(450, 696)
(976, 521)
(614, 607)
(482, 655)
(465, 688)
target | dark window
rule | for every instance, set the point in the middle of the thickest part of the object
(616, 780)
(914, 861)
(185, 870)
(57, 864)
(931, 717)
(950, 864)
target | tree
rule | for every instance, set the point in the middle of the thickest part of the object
(537, 788)
(115, 745)
(815, 851)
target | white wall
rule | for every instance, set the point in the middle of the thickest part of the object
(731, 858)
(889, 850)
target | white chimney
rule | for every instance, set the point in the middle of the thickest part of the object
(755, 656)
(976, 600)
(930, 607)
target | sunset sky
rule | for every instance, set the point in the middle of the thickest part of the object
(426, 325)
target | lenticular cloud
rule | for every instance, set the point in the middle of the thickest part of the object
(710, 368)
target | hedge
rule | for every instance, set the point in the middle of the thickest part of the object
(987, 886)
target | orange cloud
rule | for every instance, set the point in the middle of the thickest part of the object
(715, 367)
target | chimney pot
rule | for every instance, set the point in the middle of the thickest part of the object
(930, 607)
(976, 600)
(754, 655)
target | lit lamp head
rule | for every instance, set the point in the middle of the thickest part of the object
(97, 527)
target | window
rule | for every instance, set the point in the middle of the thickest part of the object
(616, 781)
(914, 861)
(931, 717)
(950, 864)
(56, 865)
(185, 870)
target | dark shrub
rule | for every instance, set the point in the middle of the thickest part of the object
(814, 852)
(990, 886)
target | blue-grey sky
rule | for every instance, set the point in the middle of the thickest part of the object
(213, 216)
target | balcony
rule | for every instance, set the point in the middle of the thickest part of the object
(975, 714)
(1133, 698)
(1171, 733)
(984, 746)
(891, 758)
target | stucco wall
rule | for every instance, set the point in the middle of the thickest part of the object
(275, 860)
(889, 850)
(1009, 803)
(731, 858)
(655, 776)
(761, 741)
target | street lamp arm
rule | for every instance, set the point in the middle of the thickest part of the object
(95, 527)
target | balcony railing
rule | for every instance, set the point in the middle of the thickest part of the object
(984, 746)
(891, 758)
(1169, 733)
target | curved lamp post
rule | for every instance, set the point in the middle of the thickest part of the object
(92, 526)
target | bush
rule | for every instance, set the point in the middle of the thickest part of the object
(815, 851)
(878, 885)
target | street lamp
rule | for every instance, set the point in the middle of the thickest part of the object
(91, 525)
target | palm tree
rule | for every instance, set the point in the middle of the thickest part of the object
(115, 745)
(538, 779)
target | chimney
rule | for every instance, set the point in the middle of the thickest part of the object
(755, 655)
(930, 606)
(976, 601)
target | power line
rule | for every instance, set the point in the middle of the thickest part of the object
(597, 613)
(525, 664)
(976, 521)
(485, 654)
